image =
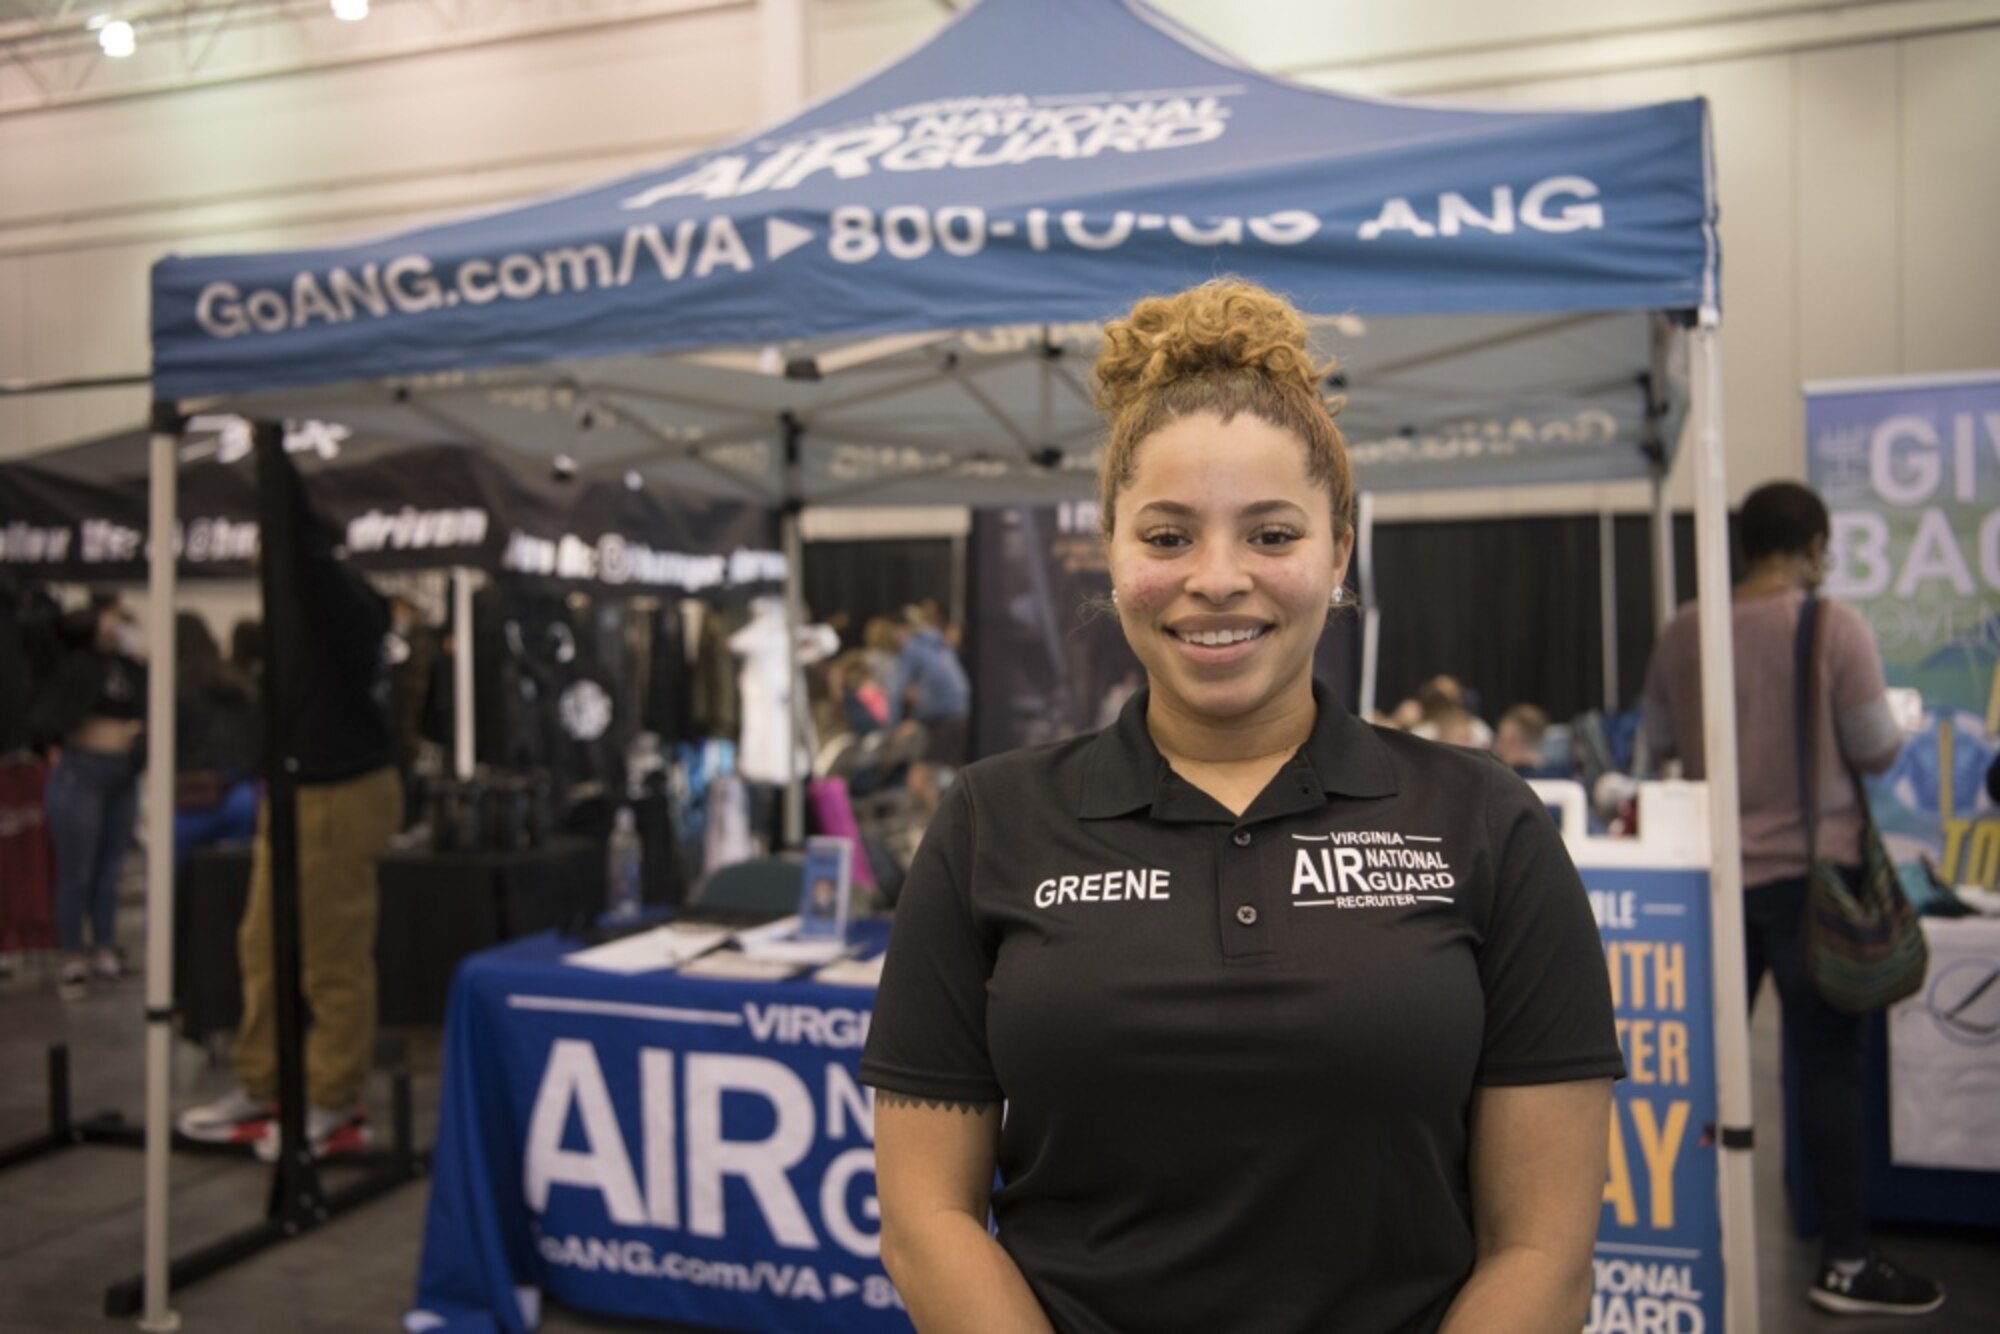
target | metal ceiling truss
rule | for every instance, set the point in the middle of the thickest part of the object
(53, 44)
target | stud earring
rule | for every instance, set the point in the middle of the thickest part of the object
(1114, 597)
(1338, 596)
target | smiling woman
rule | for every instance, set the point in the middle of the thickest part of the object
(1221, 1113)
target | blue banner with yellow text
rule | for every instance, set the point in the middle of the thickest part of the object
(1658, 1262)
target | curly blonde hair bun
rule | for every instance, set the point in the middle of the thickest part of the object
(1224, 347)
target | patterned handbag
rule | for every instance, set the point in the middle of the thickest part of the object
(1864, 946)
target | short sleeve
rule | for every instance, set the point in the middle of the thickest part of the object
(1541, 960)
(1855, 662)
(928, 1035)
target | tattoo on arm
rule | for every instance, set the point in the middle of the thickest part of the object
(884, 1098)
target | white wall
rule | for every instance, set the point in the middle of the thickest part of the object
(1856, 145)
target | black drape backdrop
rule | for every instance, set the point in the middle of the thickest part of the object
(875, 578)
(1510, 607)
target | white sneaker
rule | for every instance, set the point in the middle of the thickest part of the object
(331, 1133)
(234, 1118)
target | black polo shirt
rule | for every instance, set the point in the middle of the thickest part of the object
(1237, 1053)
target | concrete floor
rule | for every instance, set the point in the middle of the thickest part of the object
(70, 1223)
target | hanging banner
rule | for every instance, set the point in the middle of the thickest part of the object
(80, 514)
(1910, 469)
(1658, 1260)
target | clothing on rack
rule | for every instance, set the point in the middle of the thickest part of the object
(773, 749)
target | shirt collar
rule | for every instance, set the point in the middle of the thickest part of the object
(1124, 771)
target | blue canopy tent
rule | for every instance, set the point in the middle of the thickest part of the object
(888, 298)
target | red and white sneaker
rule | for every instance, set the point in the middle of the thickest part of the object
(234, 1118)
(331, 1133)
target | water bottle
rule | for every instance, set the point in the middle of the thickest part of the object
(622, 889)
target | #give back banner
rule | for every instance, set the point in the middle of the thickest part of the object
(1910, 469)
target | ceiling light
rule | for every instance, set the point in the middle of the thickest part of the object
(114, 36)
(350, 11)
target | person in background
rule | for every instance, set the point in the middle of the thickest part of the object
(1224, 1109)
(1784, 530)
(89, 717)
(246, 649)
(1519, 739)
(930, 688)
(215, 743)
(864, 704)
(880, 641)
(341, 746)
(1452, 725)
(1442, 701)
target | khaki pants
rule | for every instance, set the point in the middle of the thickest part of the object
(343, 830)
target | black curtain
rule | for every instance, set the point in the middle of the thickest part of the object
(875, 578)
(1511, 608)
(1047, 656)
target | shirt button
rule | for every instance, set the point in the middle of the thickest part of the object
(1247, 915)
(1241, 838)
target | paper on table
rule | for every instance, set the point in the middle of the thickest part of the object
(740, 967)
(780, 940)
(853, 972)
(662, 947)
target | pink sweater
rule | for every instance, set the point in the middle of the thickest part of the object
(1852, 718)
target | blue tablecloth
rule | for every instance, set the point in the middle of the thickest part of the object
(654, 1146)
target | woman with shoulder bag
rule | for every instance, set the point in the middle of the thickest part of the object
(1800, 804)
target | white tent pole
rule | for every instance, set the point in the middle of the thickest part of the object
(1663, 551)
(795, 618)
(155, 1314)
(1718, 693)
(1607, 601)
(462, 737)
(1371, 615)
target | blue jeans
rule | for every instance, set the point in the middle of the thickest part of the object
(1827, 1049)
(92, 802)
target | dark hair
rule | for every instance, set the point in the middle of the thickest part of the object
(246, 646)
(198, 660)
(1781, 519)
(194, 646)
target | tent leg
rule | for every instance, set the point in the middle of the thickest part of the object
(1371, 615)
(163, 526)
(1718, 692)
(461, 674)
(1663, 552)
(1607, 601)
(795, 615)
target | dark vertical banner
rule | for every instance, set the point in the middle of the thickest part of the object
(1049, 659)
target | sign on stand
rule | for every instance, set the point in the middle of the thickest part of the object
(1658, 1265)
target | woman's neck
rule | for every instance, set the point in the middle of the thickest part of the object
(1782, 574)
(1192, 738)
